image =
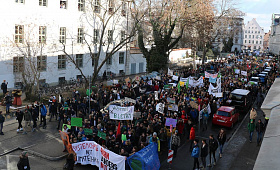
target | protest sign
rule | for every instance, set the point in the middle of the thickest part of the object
(236, 71)
(136, 115)
(121, 113)
(215, 91)
(173, 107)
(115, 81)
(170, 72)
(158, 78)
(167, 86)
(146, 158)
(156, 95)
(160, 108)
(88, 131)
(207, 75)
(126, 99)
(170, 100)
(195, 83)
(89, 152)
(75, 121)
(175, 78)
(68, 126)
(109, 83)
(101, 135)
(194, 105)
(244, 73)
(182, 83)
(212, 80)
(170, 121)
(150, 82)
(184, 79)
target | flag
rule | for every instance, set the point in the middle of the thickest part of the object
(187, 84)
(118, 135)
(179, 88)
(219, 75)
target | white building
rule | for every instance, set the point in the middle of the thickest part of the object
(253, 36)
(42, 28)
(274, 38)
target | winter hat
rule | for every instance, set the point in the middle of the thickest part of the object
(155, 134)
(176, 131)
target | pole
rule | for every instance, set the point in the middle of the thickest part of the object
(89, 94)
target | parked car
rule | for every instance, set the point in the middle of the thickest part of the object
(254, 81)
(241, 99)
(225, 116)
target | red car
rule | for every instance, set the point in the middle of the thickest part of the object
(225, 116)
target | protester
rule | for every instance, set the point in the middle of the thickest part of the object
(27, 118)
(222, 137)
(251, 128)
(23, 163)
(43, 111)
(195, 154)
(70, 162)
(204, 153)
(253, 114)
(213, 145)
(4, 87)
(192, 137)
(260, 130)
(19, 117)
(175, 143)
(2, 120)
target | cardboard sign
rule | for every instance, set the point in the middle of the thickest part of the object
(75, 121)
(102, 135)
(88, 131)
(160, 108)
(194, 105)
(171, 122)
(171, 100)
(173, 107)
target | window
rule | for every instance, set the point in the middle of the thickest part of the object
(122, 35)
(95, 36)
(257, 42)
(80, 35)
(42, 2)
(245, 36)
(20, 1)
(252, 41)
(41, 63)
(255, 32)
(245, 41)
(111, 6)
(255, 27)
(249, 41)
(260, 42)
(79, 60)
(18, 64)
(123, 9)
(253, 36)
(109, 60)
(236, 40)
(121, 58)
(245, 31)
(141, 67)
(42, 34)
(96, 6)
(260, 37)
(61, 62)
(249, 27)
(62, 35)
(94, 56)
(63, 4)
(81, 5)
(255, 47)
(249, 31)
(259, 32)
(110, 36)
(19, 31)
(249, 36)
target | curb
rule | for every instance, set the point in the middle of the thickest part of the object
(45, 156)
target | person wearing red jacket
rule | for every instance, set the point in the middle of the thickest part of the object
(180, 126)
(192, 137)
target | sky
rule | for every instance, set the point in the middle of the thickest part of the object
(262, 10)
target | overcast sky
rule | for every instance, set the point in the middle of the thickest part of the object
(262, 10)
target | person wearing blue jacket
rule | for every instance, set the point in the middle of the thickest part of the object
(195, 154)
(43, 111)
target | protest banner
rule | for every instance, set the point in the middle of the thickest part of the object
(146, 158)
(156, 95)
(167, 86)
(244, 73)
(127, 99)
(170, 72)
(175, 78)
(236, 71)
(173, 107)
(89, 152)
(160, 108)
(115, 81)
(195, 83)
(212, 80)
(68, 126)
(170, 121)
(121, 113)
(136, 115)
(88, 131)
(75, 121)
(184, 79)
(207, 75)
(101, 135)
(170, 100)
(215, 91)
(109, 83)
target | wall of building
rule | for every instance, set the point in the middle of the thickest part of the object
(178, 54)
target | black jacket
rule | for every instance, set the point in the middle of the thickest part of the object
(22, 163)
(259, 127)
(213, 145)
(222, 138)
(204, 150)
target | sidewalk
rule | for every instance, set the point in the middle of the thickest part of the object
(239, 152)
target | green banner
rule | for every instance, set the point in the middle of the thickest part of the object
(76, 122)
(102, 135)
(88, 131)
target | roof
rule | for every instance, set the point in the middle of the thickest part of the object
(240, 92)
(226, 109)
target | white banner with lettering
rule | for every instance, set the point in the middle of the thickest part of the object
(207, 75)
(195, 83)
(121, 113)
(89, 152)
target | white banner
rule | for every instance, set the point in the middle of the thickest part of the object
(156, 95)
(160, 108)
(184, 79)
(207, 75)
(236, 71)
(121, 113)
(89, 152)
(195, 83)
(170, 72)
(215, 91)
(175, 78)
(173, 107)
(244, 73)
(127, 99)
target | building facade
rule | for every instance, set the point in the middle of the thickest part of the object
(253, 36)
(266, 41)
(62, 39)
(274, 38)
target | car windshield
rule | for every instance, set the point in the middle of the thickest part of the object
(222, 113)
(236, 97)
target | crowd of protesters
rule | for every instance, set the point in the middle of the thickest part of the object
(127, 137)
